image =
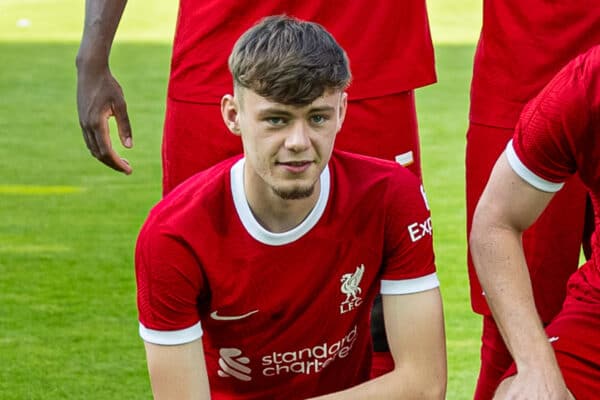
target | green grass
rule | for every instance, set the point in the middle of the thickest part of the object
(442, 112)
(68, 320)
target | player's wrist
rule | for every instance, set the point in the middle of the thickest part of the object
(91, 58)
(536, 358)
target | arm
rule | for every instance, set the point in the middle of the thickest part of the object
(415, 328)
(178, 372)
(508, 206)
(99, 95)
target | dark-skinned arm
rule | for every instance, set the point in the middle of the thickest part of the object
(99, 95)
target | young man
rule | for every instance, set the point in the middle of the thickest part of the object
(557, 136)
(523, 44)
(256, 277)
(381, 119)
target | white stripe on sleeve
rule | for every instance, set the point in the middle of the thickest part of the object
(171, 338)
(527, 175)
(407, 286)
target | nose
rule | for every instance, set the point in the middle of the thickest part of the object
(297, 138)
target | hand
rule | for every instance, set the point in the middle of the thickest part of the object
(533, 385)
(99, 96)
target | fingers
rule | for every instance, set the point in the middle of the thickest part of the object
(119, 109)
(97, 139)
(99, 97)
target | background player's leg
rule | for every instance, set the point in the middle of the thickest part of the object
(195, 138)
(588, 229)
(495, 360)
(384, 127)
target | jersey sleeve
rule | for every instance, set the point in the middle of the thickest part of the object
(409, 262)
(169, 285)
(543, 150)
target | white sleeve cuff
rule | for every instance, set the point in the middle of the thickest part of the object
(527, 175)
(170, 338)
(408, 286)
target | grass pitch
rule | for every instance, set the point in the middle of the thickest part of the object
(68, 320)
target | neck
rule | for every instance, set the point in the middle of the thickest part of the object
(281, 215)
(278, 215)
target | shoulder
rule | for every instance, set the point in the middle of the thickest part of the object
(591, 58)
(580, 77)
(369, 170)
(206, 190)
(557, 126)
(371, 181)
(590, 71)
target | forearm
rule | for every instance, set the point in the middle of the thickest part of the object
(415, 329)
(101, 21)
(507, 207)
(178, 372)
(398, 384)
(502, 270)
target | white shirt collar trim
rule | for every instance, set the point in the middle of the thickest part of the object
(255, 229)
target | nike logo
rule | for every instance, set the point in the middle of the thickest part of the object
(218, 317)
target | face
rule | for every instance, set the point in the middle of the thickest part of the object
(286, 147)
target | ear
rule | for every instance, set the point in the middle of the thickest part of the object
(230, 113)
(343, 108)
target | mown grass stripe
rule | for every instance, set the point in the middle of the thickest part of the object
(39, 190)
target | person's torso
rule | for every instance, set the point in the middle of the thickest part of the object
(286, 316)
(389, 45)
(289, 321)
(523, 44)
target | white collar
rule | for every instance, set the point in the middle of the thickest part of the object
(255, 229)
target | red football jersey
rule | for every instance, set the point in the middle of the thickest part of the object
(558, 135)
(523, 44)
(389, 45)
(282, 315)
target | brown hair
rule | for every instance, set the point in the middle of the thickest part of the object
(289, 61)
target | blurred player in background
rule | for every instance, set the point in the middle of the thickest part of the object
(522, 45)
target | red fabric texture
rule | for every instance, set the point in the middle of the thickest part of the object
(389, 46)
(523, 44)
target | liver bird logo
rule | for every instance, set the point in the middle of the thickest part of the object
(350, 284)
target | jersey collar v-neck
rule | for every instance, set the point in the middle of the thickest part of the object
(252, 225)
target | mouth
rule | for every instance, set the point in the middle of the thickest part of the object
(295, 166)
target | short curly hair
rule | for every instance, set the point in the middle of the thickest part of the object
(289, 61)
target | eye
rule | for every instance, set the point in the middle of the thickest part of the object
(319, 119)
(276, 121)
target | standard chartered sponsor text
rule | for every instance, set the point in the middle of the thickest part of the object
(309, 360)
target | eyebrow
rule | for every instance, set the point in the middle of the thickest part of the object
(322, 109)
(273, 111)
(279, 111)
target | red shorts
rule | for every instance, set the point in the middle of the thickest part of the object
(575, 335)
(194, 139)
(495, 360)
(384, 127)
(195, 136)
(382, 363)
